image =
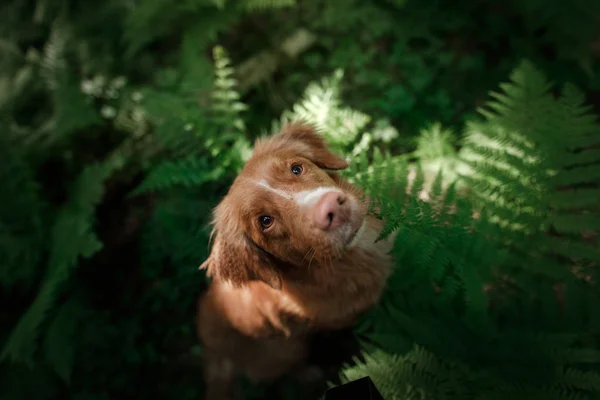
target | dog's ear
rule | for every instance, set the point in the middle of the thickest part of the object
(314, 146)
(234, 258)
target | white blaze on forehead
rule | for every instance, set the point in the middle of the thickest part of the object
(265, 185)
(311, 197)
(302, 198)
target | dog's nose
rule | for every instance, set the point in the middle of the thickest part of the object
(331, 211)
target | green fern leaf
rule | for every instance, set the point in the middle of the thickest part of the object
(267, 4)
(72, 237)
(186, 172)
(73, 110)
(321, 106)
(21, 219)
(227, 107)
(59, 337)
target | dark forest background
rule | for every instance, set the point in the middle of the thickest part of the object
(124, 122)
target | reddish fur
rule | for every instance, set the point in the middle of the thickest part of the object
(257, 314)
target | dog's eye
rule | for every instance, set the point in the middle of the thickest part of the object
(265, 221)
(297, 169)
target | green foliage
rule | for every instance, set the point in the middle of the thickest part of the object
(267, 4)
(186, 172)
(153, 19)
(200, 148)
(322, 106)
(421, 375)
(86, 269)
(123, 125)
(347, 130)
(533, 177)
(58, 348)
(71, 237)
(424, 376)
(21, 229)
(462, 267)
(413, 62)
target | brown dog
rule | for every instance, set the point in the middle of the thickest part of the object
(293, 252)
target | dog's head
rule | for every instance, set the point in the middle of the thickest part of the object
(286, 209)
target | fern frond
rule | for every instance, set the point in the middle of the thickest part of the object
(227, 107)
(53, 60)
(252, 5)
(571, 378)
(176, 229)
(150, 19)
(73, 110)
(198, 147)
(321, 106)
(186, 172)
(72, 237)
(525, 163)
(435, 142)
(418, 375)
(21, 217)
(481, 268)
(58, 341)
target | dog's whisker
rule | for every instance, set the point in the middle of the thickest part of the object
(311, 258)
(309, 255)
(328, 263)
(306, 255)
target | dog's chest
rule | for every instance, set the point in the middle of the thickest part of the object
(337, 295)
